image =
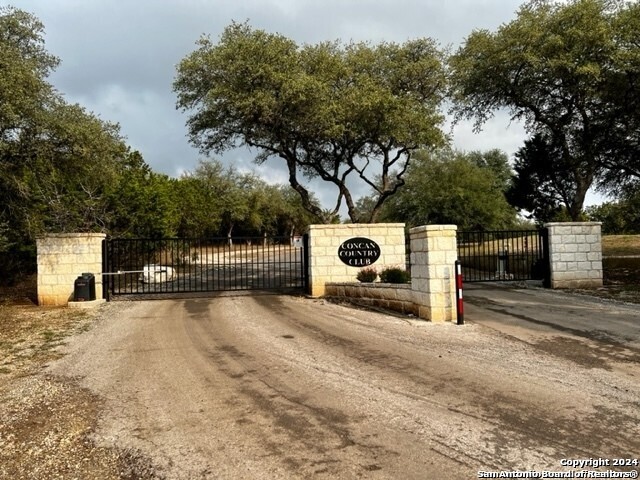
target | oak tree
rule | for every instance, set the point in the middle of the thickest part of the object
(569, 71)
(451, 187)
(329, 111)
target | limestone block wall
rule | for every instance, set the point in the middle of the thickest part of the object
(431, 294)
(324, 240)
(575, 252)
(433, 255)
(396, 297)
(61, 259)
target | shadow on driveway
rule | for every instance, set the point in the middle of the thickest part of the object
(587, 330)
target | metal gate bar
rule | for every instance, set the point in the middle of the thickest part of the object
(504, 255)
(183, 265)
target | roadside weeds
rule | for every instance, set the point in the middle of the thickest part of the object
(47, 423)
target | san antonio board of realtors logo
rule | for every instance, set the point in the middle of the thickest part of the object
(359, 252)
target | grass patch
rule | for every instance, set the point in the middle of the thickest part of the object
(29, 335)
(48, 335)
(615, 245)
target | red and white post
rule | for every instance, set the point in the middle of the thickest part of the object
(459, 299)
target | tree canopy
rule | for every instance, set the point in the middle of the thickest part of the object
(330, 111)
(25, 66)
(215, 200)
(570, 71)
(64, 169)
(341, 113)
(619, 217)
(543, 184)
(58, 162)
(451, 187)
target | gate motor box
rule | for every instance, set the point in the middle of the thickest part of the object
(84, 288)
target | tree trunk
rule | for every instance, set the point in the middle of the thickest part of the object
(229, 232)
(307, 204)
(577, 203)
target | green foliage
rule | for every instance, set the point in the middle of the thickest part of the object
(217, 201)
(622, 94)
(57, 174)
(364, 209)
(329, 111)
(545, 184)
(522, 223)
(25, 67)
(142, 203)
(620, 217)
(614, 218)
(394, 275)
(367, 275)
(569, 70)
(497, 162)
(16, 259)
(448, 187)
(5, 242)
(57, 161)
(63, 169)
(287, 216)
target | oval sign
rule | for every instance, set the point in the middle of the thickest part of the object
(359, 252)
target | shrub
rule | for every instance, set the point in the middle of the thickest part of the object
(368, 274)
(394, 275)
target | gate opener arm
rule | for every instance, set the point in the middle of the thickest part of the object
(122, 272)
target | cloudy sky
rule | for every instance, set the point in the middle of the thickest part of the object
(119, 57)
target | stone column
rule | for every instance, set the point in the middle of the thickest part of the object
(61, 259)
(433, 256)
(575, 253)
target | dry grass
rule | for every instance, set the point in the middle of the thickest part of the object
(47, 423)
(30, 335)
(617, 245)
(612, 245)
(212, 254)
(621, 275)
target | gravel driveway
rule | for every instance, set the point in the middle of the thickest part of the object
(288, 387)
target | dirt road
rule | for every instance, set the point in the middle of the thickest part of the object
(285, 387)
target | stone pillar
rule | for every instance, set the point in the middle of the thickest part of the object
(61, 259)
(575, 253)
(324, 240)
(433, 256)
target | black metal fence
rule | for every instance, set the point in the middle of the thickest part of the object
(503, 255)
(183, 265)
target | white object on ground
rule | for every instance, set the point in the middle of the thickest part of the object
(157, 274)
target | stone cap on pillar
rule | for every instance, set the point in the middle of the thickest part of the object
(72, 235)
(577, 224)
(432, 228)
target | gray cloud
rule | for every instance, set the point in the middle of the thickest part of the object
(119, 57)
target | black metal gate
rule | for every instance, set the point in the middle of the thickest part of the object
(181, 265)
(506, 255)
